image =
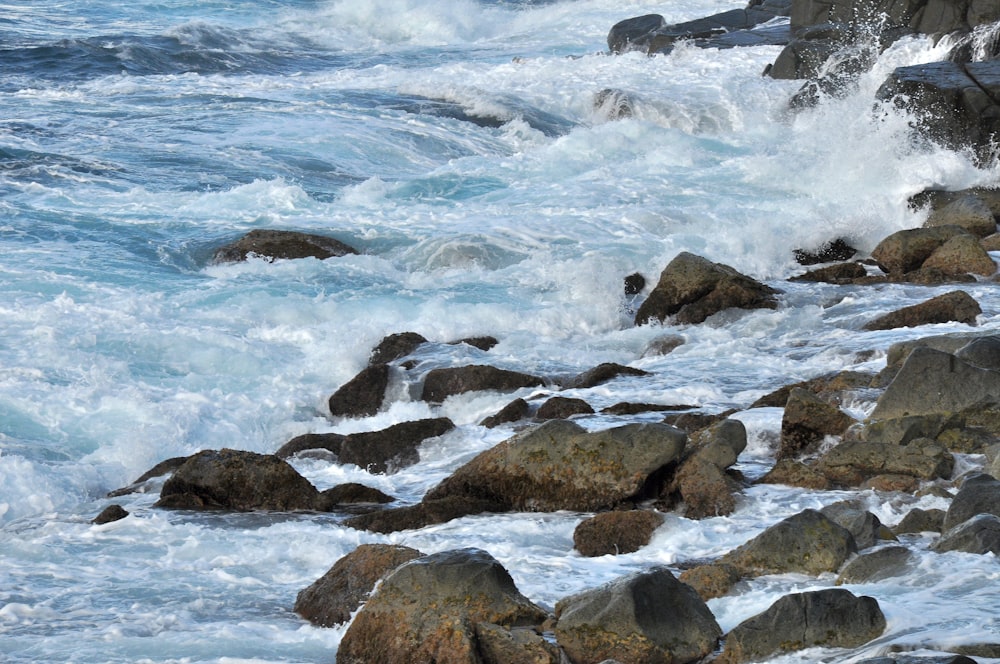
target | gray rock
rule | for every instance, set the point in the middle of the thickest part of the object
(109, 514)
(957, 306)
(439, 384)
(633, 33)
(852, 462)
(979, 494)
(905, 251)
(282, 244)
(969, 212)
(560, 408)
(921, 521)
(832, 618)
(645, 617)
(806, 421)
(877, 565)
(862, 524)
(980, 534)
(983, 352)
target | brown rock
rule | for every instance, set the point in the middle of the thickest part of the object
(361, 396)
(954, 306)
(806, 421)
(853, 462)
(603, 373)
(560, 408)
(712, 580)
(969, 212)
(439, 384)
(905, 251)
(841, 273)
(282, 244)
(613, 533)
(395, 346)
(518, 645)
(392, 448)
(796, 473)
(352, 493)
(891, 482)
(920, 521)
(961, 254)
(109, 514)
(338, 593)
(516, 410)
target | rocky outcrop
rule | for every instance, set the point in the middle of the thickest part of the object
(237, 480)
(429, 610)
(692, 288)
(362, 396)
(332, 598)
(644, 618)
(561, 466)
(957, 306)
(272, 244)
(439, 384)
(833, 618)
(613, 533)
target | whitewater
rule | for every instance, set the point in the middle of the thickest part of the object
(457, 145)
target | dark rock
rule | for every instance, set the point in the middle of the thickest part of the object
(483, 343)
(561, 466)
(878, 565)
(331, 442)
(956, 306)
(353, 493)
(832, 618)
(362, 396)
(836, 250)
(795, 473)
(663, 345)
(807, 542)
(982, 352)
(393, 448)
(807, 420)
(603, 373)
(725, 30)
(645, 617)
(712, 580)
(692, 422)
(980, 494)
(852, 462)
(395, 346)
(332, 598)
(439, 384)
(281, 244)
(613, 533)
(921, 521)
(633, 33)
(980, 534)
(692, 288)
(864, 526)
(159, 470)
(841, 273)
(237, 480)
(634, 283)
(109, 514)
(624, 408)
(424, 513)
(560, 408)
(427, 610)
(515, 411)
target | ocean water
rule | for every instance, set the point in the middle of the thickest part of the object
(457, 145)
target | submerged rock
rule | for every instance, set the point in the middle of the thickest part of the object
(273, 244)
(109, 514)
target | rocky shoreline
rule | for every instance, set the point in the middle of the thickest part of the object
(936, 397)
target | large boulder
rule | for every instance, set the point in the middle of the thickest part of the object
(881, 564)
(645, 618)
(614, 533)
(429, 608)
(980, 534)
(633, 33)
(905, 251)
(833, 618)
(980, 494)
(957, 306)
(692, 288)
(701, 481)
(362, 396)
(561, 466)
(864, 526)
(970, 212)
(274, 244)
(333, 597)
(238, 480)
(852, 462)
(439, 384)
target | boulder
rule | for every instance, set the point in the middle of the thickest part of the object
(603, 373)
(905, 251)
(795, 473)
(361, 396)
(701, 481)
(712, 580)
(828, 386)
(424, 513)
(852, 462)
(428, 610)
(238, 480)
(614, 533)
(518, 645)
(724, 30)
(969, 212)
(864, 526)
(962, 254)
(561, 466)
(921, 521)
(483, 343)
(806, 421)
(332, 598)
(515, 411)
(643, 618)
(980, 494)
(633, 33)
(932, 381)
(352, 493)
(807, 542)
(982, 352)
(330, 442)
(980, 534)
(560, 408)
(841, 273)
(692, 288)
(109, 514)
(273, 245)
(878, 565)
(833, 618)
(439, 384)
(956, 306)
(395, 347)
(830, 252)
(159, 470)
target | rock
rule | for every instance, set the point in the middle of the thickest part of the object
(561, 466)
(617, 105)
(969, 212)
(109, 514)
(439, 384)
(907, 659)
(352, 493)
(633, 33)
(519, 645)
(159, 470)
(603, 373)
(237, 480)
(961, 255)
(625, 408)
(841, 273)
(393, 448)
(712, 580)
(980, 534)
(982, 352)
(395, 347)
(634, 283)
(864, 526)
(795, 473)
(692, 422)
(642, 618)
(424, 513)
(700, 480)
(560, 408)
(807, 420)
(931, 381)
(852, 462)
(614, 533)
(921, 521)
(835, 250)
(980, 494)
(428, 610)
(956, 306)
(833, 618)
(483, 343)
(877, 565)
(692, 288)
(663, 345)
(890, 482)
(905, 251)
(807, 542)
(516, 410)
(724, 30)
(828, 386)
(332, 598)
(273, 245)
(361, 396)
(331, 442)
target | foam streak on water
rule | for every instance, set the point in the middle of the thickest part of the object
(457, 145)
